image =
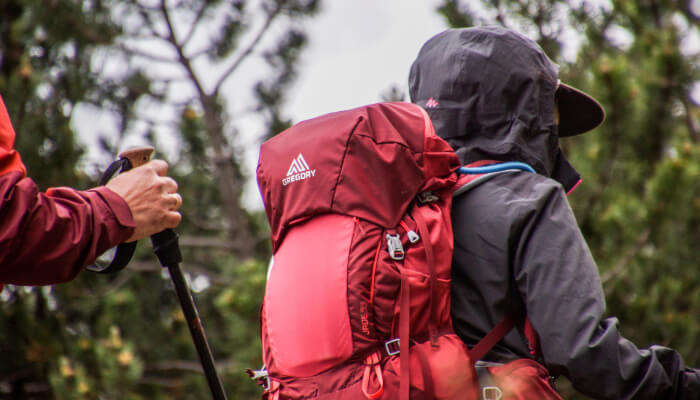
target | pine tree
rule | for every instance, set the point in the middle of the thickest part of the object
(45, 56)
(170, 71)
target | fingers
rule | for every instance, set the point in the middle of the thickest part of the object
(172, 219)
(151, 196)
(159, 166)
(169, 184)
(174, 201)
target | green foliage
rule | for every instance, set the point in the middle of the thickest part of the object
(638, 207)
(124, 336)
(72, 376)
(44, 74)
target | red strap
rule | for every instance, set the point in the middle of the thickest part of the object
(428, 384)
(533, 340)
(273, 393)
(374, 269)
(372, 363)
(497, 333)
(423, 231)
(404, 337)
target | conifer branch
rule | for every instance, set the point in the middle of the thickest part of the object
(249, 49)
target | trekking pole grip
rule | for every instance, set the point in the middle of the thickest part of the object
(117, 258)
(138, 155)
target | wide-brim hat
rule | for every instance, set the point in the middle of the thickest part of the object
(578, 111)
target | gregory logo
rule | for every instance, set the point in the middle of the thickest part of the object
(299, 170)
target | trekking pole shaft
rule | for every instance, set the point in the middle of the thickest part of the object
(197, 331)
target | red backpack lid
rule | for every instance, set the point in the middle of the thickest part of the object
(368, 162)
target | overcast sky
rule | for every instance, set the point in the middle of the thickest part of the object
(358, 49)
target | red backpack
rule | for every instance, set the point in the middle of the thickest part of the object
(357, 303)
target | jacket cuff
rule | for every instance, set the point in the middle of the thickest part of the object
(119, 210)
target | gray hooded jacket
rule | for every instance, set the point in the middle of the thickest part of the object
(490, 93)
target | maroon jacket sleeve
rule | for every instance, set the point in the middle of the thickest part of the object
(49, 237)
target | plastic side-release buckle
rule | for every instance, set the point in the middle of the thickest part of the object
(260, 376)
(393, 343)
(491, 393)
(394, 246)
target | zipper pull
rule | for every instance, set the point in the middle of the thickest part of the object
(412, 235)
(394, 246)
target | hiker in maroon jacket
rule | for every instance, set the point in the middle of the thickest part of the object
(493, 95)
(49, 237)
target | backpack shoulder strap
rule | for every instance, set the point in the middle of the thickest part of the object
(473, 175)
(498, 332)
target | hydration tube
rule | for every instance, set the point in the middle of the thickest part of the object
(487, 172)
(486, 169)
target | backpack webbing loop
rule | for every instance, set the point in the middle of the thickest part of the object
(372, 363)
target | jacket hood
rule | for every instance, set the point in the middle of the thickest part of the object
(490, 93)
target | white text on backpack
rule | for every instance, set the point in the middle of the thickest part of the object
(299, 170)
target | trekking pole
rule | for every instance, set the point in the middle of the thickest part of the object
(166, 248)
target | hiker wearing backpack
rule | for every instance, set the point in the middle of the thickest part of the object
(520, 259)
(49, 237)
(357, 301)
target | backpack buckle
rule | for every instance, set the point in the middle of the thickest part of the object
(260, 376)
(491, 393)
(427, 197)
(396, 344)
(394, 246)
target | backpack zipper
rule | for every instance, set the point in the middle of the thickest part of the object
(413, 237)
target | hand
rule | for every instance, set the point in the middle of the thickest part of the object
(151, 196)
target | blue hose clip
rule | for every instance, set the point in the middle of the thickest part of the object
(496, 168)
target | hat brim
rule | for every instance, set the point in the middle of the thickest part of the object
(578, 112)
